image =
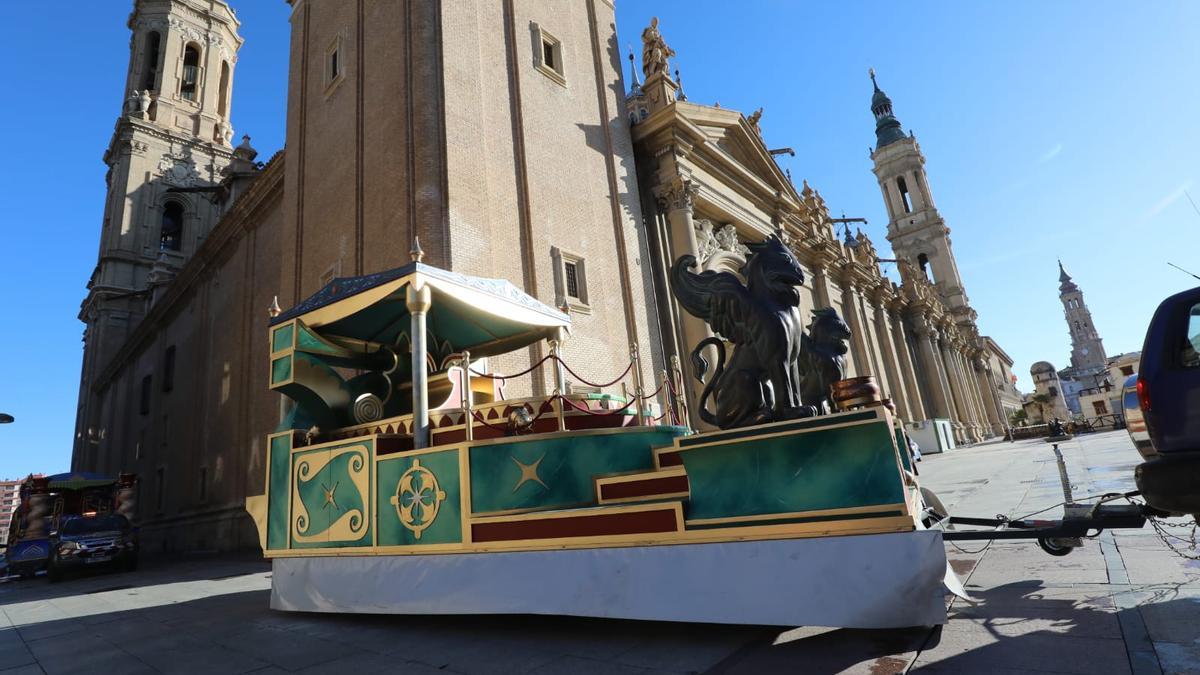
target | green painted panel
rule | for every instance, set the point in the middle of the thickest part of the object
(336, 508)
(278, 492)
(557, 471)
(281, 339)
(428, 477)
(812, 470)
(281, 369)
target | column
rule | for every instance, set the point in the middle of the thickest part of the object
(985, 426)
(820, 283)
(675, 199)
(858, 338)
(891, 365)
(915, 403)
(418, 300)
(966, 387)
(991, 401)
(956, 397)
(927, 341)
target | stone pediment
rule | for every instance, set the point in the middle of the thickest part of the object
(728, 132)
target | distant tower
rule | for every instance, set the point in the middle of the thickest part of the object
(169, 147)
(1087, 349)
(915, 228)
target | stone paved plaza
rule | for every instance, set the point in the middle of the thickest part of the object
(1123, 603)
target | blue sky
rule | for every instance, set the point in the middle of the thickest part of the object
(1051, 130)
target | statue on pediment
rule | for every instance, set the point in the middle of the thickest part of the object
(655, 52)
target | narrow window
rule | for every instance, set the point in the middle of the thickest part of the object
(170, 235)
(572, 273)
(223, 92)
(144, 404)
(191, 72)
(903, 187)
(1189, 356)
(1099, 407)
(150, 65)
(204, 483)
(548, 55)
(160, 492)
(570, 280)
(169, 369)
(335, 68)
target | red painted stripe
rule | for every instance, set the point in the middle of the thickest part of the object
(577, 525)
(647, 487)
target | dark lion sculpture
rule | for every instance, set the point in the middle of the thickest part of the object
(822, 357)
(776, 372)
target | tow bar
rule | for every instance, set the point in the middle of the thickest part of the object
(1056, 537)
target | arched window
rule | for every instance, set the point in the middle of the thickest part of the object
(223, 102)
(923, 263)
(191, 72)
(170, 235)
(903, 187)
(1053, 392)
(150, 65)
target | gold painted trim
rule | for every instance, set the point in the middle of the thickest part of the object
(901, 506)
(567, 513)
(708, 536)
(671, 472)
(464, 493)
(879, 412)
(792, 432)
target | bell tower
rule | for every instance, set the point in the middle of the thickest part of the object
(1087, 349)
(168, 150)
(915, 228)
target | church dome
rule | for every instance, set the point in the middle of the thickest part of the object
(1041, 367)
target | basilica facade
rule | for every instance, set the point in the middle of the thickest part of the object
(503, 136)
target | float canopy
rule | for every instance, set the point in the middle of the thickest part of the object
(485, 316)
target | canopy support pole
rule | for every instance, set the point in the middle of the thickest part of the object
(419, 300)
(560, 385)
(467, 396)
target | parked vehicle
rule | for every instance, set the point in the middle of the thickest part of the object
(1135, 422)
(47, 502)
(1168, 388)
(92, 541)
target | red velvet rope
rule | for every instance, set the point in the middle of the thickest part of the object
(493, 376)
(593, 384)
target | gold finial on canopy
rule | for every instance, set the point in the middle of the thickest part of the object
(274, 310)
(416, 252)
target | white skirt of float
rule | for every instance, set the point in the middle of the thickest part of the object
(865, 581)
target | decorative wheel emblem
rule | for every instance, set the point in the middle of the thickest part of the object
(418, 498)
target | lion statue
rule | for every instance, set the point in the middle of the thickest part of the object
(769, 371)
(822, 357)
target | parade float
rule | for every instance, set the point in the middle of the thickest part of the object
(403, 481)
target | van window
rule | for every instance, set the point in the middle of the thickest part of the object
(1130, 400)
(1190, 357)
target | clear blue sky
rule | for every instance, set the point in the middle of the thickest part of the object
(1051, 130)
